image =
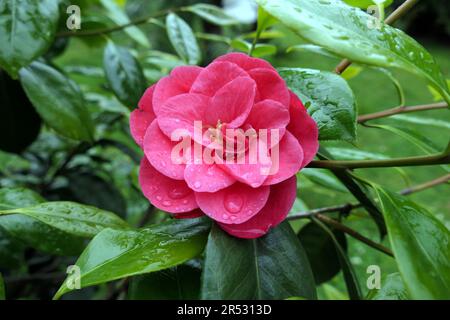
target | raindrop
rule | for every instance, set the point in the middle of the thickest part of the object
(167, 203)
(233, 203)
(178, 193)
(197, 184)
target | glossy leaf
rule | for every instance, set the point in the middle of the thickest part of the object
(178, 283)
(30, 231)
(183, 39)
(115, 254)
(321, 251)
(421, 246)
(124, 75)
(116, 14)
(324, 178)
(332, 103)
(351, 33)
(351, 281)
(367, 3)
(27, 29)
(212, 14)
(274, 266)
(19, 122)
(58, 100)
(71, 217)
(311, 48)
(392, 288)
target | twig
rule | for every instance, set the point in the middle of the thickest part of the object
(115, 28)
(394, 16)
(399, 162)
(397, 110)
(426, 185)
(339, 226)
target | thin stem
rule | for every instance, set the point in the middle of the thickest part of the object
(399, 162)
(426, 185)
(394, 16)
(136, 22)
(255, 41)
(401, 109)
(348, 207)
(353, 233)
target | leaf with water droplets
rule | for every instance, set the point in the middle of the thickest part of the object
(71, 217)
(354, 34)
(27, 29)
(115, 254)
(332, 103)
(421, 246)
(183, 39)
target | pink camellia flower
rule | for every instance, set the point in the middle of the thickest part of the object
(234, 92)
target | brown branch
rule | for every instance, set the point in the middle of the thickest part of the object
(354, 234)
(426, 185)
(402, 109)
(394, 16)
(399, 162)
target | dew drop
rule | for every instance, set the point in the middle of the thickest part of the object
(167, 203)
(178, 193)
(159, 198)
(225, 216)
(233, 202)
(197, 185)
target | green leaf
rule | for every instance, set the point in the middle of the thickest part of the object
(367, 3)
(311, 48)
(351, 72)
(11, 162)
(116, 14)
(71, 217)
(240, 45)
(19, 122)
(27, 29)
(422, 120)
(31, 231)
(115, 254)
(11, 250)
(274, 266)
(265, 20)
(324, 178)
(421, 246)
(351, 281)
(58, 100)
(321, 251)
(212, 14)
(2, 288)
(178, 283)
(397, 84)
(344, 30)
(262, 50)
(392, 288)
(332, 101)
(183, 39)
(124, 75)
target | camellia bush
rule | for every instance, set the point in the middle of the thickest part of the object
(181, 150)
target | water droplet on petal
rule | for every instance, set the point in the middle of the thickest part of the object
(167, 203)
(159, 198)
(178, 193)
(197, 185)
(225, 216)
(233, 202)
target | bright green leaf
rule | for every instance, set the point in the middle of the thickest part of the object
(71, 217)
(212, 14)
(271, 267)
(27, 28)
(58, 100)
(332, 103)
(392, 288)
(115, 254)
(124, 75)
(117, 14)
(421, 246)
(367, 3)
(347, 31)
(183, 39)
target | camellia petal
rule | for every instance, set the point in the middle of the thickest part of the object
(304, 128)
(288, 161)
(232, 103)
(142, 117)
(212, 78)
(245, 62)
(207, 177)
(270, 85)
(235, 204)
(280, 202)
(178, 82)
(158, 150)
(189, 215)
(164, 193)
